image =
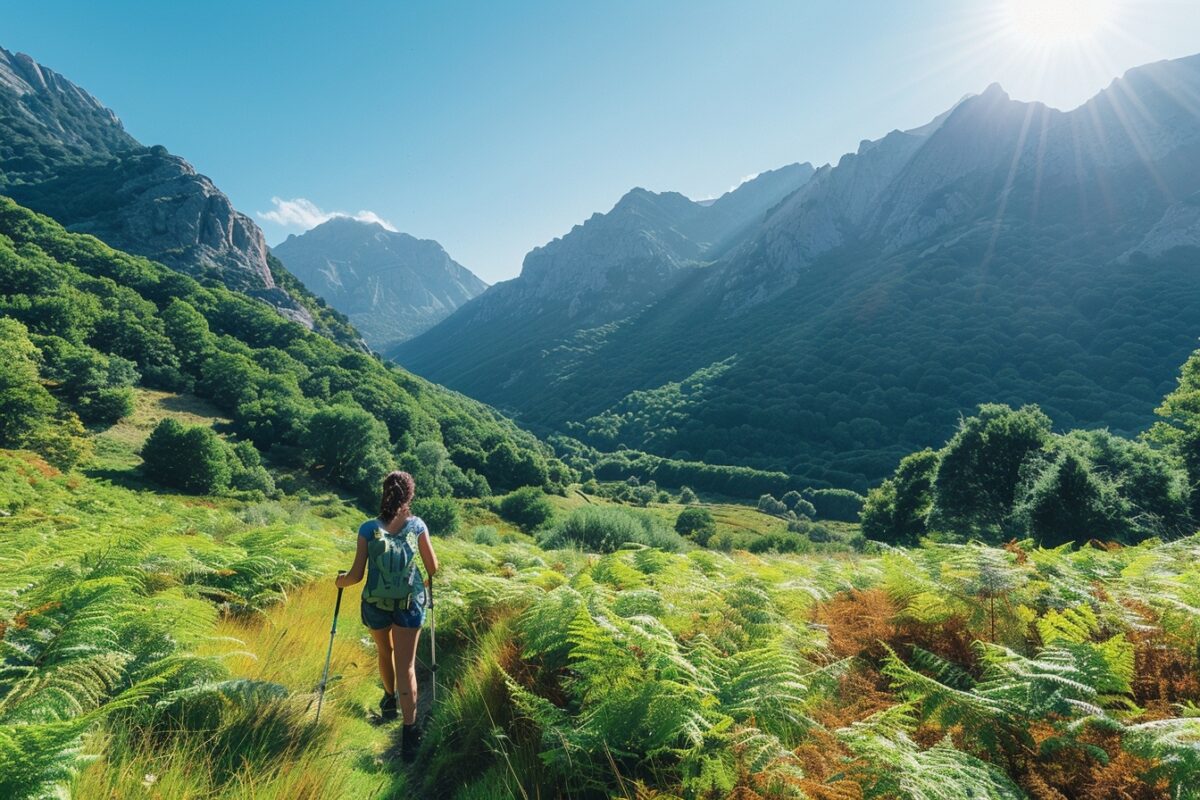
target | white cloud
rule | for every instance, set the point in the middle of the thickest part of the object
(300, 212)
(745, 179)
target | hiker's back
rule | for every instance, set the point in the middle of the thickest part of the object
(393, 575)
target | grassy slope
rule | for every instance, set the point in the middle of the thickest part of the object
(116, 447)
(730, 518)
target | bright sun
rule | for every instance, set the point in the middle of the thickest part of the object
(1054, 22)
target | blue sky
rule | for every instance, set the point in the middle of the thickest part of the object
(494, 127)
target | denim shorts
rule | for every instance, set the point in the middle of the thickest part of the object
(378, 619)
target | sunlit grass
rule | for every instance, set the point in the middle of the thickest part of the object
(117, 446)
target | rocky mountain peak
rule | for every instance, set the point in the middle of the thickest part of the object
(65, 155)
(391, 285)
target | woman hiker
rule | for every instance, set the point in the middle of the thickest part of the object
(393, 599)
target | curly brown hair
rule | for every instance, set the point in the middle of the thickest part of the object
(398, 490)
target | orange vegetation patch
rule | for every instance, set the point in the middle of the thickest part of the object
(951, 640)
(22, 620)
(857, 622)
(861, 692)
(1167, 667)
(1076, 774)
(38, 464)
(823, 760)
(1015, 548)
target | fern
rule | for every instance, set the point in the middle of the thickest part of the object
(894, 766)
(1173, 745)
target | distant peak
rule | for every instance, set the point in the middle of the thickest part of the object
(348, 221)
(994, 91)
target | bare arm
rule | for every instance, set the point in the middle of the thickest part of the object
(355, 574)
(428, 557)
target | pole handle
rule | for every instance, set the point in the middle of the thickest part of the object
(337, 607)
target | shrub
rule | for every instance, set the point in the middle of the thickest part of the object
(769, 505)
(687, 496)
(696, 523)
(439, 513)
(980, 469)
(723, 541)
(839, 504)
(803, 508)
(106, 406)
(506, 468)
(603, 529)
(897, 510)
(526, 508)
(485, 534)
(187, 457)
(777, 542)
(247, 474)
(349, 446)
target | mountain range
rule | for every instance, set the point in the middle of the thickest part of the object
(392, 286)
(845, 316)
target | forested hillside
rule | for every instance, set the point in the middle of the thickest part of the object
(84, 323)
(1006, 252)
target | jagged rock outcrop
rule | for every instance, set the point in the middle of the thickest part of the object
(62, 153)
(599, 274)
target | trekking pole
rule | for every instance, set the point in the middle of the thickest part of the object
(325, 675)
(432, 645)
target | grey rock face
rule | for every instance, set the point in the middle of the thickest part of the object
(391, 285)
(45, 119)
(64, 154)
(1179, 227)
(1117, 161)
(618, 262)
(163, 209)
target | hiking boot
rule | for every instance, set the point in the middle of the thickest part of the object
(387, 706)
(410, 742)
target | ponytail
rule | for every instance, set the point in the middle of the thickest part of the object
(398, 490)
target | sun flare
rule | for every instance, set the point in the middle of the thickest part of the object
(1049, 23)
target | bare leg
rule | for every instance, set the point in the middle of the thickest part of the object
(383, 648)
(404, 646)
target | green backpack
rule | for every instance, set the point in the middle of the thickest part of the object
(392, 574)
